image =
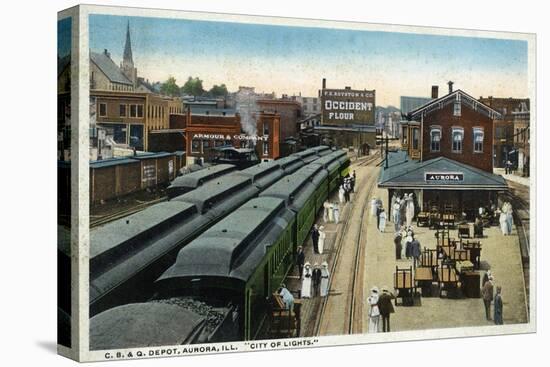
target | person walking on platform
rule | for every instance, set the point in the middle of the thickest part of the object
(487, 294)
(409, 214)
(396, 211)
(336, 210)
(416, 252)
(498, 307)
(326, 208)
(341, 196)
(315, 238)
(306, 281)
(325, 274)
(300, 260)
(378, 211)
(509, 218)
(316, 279)
(382, 222)
(353, 178)
(322, 236)
(398, 247)
(386, 308)
(374, 310)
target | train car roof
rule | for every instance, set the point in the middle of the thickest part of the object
(225, 249)
(322, 150)
(214, 190)
(263, 174)
(307, 156)
(291, 187)
(119, 231)
(143, 325)
(326, 160)
(193, 179)
(290, 164)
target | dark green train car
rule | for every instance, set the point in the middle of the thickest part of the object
(241, 260)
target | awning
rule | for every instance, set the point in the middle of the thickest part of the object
(436, 174)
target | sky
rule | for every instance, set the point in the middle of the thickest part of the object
(293, 60)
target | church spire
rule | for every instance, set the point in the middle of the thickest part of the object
(127, 57)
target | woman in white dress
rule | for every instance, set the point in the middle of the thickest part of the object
(382, 225)
(306, 282)
(503, 223)
(341, 192)
(324, 279)
(374, 311)
(336, 211)
(509, 218)
(322, 236)
(409, 214)
(326, 208)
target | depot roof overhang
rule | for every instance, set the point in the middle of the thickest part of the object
(405, 173)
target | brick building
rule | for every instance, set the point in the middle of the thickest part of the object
(127, 118)
(511, 131)
(290, 113)
(456, 126)
(446, 156)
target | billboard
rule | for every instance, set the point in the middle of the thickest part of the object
(347, 107)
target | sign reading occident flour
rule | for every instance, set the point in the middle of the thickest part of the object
(347, 107)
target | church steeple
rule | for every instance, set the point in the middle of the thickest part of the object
(127, 65)
(127, 60)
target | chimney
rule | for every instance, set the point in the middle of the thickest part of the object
(450, 86)
(435, 92)
(324, 83)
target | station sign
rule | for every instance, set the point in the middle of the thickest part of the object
(240, 137)
(443, 176)
(347, 107)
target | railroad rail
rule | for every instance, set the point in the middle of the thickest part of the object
(522, 220)
(104, 219)
(352, 314)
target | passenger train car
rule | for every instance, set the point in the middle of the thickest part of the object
(128, 254)
(185, 183)
(240, 261)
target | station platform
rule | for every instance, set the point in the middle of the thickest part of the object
(501, 254)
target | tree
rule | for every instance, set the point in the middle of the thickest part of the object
(170, 88)
(218, 91)
(193, 87)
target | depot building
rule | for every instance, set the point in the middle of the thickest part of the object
(445, 158)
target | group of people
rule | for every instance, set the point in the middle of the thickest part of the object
(331, 212)
(380, 306)
(487, 293)
(318, 236)
(413, 249)
(402, 208)
(346, 188)
(506, 218)
(315, 280)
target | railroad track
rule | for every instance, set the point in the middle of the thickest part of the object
(353, 321)
(104, 219)
(522, 220)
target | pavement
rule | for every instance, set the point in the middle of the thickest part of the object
(499, 253)
(512, 177)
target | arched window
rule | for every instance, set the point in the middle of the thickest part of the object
(478, 140)
(435, 139)
(458, 138)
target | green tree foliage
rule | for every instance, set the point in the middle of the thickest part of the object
(170, 88)
(193, 87)
(218, 91)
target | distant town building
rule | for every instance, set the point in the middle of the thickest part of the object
(408, 104)
(347, 117)
(511, 138)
